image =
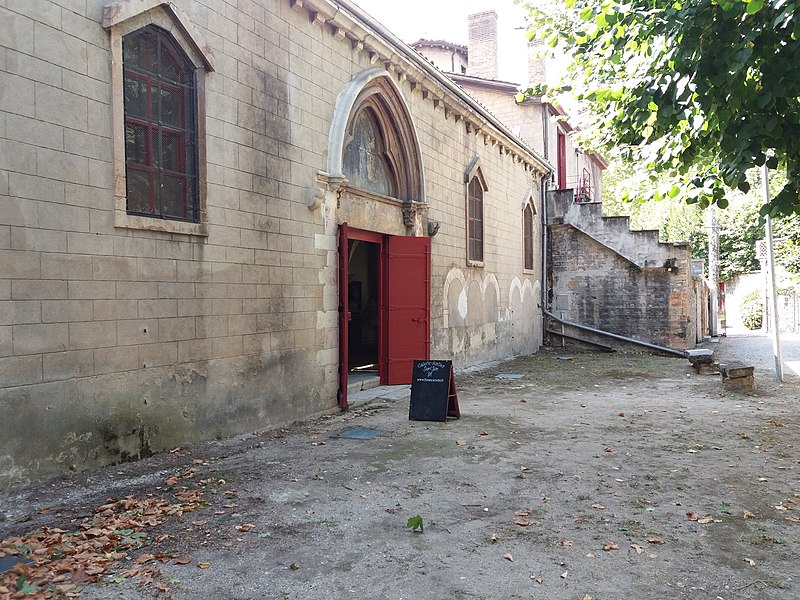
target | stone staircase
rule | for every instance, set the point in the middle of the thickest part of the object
(642, 248)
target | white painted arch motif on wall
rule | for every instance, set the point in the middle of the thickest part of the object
(461, 296)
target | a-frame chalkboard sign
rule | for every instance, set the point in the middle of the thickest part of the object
(433, 391)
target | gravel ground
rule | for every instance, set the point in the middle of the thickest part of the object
(602, 476)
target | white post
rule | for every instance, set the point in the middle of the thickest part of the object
(771, 292)
(713, 270)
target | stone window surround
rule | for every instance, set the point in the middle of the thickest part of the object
(528, 243)
(475, 171)
(121, 18)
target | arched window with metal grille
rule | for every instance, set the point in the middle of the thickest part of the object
(475, 220)
(160, 103)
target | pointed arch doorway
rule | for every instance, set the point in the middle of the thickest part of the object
(384, 269)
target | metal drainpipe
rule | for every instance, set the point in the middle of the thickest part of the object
(546, 312)
(665, 349)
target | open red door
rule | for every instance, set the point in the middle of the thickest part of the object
(344, 316)
(409, 301)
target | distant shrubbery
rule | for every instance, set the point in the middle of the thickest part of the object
(753, 310)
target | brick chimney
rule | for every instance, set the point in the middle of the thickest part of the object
(482, 40)
(537, 72)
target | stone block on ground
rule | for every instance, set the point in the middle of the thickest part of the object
(737, 376)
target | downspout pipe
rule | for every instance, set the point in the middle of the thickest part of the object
(545, 308)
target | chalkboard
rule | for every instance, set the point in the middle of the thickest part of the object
(433, 391)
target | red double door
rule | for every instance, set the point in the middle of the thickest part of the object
(404, 274)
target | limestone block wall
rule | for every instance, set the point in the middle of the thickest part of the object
(116, 342)
(478, 313)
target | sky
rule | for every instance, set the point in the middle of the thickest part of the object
(446, 20)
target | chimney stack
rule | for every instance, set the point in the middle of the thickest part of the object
(482, 40)
(537, 72)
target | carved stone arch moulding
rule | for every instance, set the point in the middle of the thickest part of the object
(123, 11)
(529, 200)
(375, 91)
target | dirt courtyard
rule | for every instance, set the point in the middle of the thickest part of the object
(602, 476)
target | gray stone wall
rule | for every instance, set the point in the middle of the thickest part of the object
(611, 278)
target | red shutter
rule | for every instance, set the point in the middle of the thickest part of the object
(409, 301)
(561, 165)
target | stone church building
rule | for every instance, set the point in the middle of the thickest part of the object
(216, 213)
(600, 275)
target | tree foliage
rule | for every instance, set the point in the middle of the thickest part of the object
(701, 90)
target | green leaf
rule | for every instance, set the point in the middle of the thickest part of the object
(26, 588)
(753, 6)
(415, 523)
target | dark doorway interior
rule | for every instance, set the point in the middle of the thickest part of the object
(363, 287)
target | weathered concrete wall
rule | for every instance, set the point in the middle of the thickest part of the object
(617, 280)
(116, 342)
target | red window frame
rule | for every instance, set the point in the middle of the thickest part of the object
(475, 220)
(179, 201)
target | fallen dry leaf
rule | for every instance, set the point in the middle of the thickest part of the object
(508, 557)
(523, 468)
(747, 514)
(692, 516)
(793, 518)
(607, 449)
(655, 540)
(705, 520)
(639, 549)
(494, 538)
(203, 565)
(522, 521)
(182, 560)
(199, 523)
(244, 528)
(750, 561)
(622, 414)
(523, 512)
(539, 580)
(598, 506)
(776, 422)
(483, 432)
(294, 566)
(610, 546)
(461, 442)
(587, 597)
(566, 543)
